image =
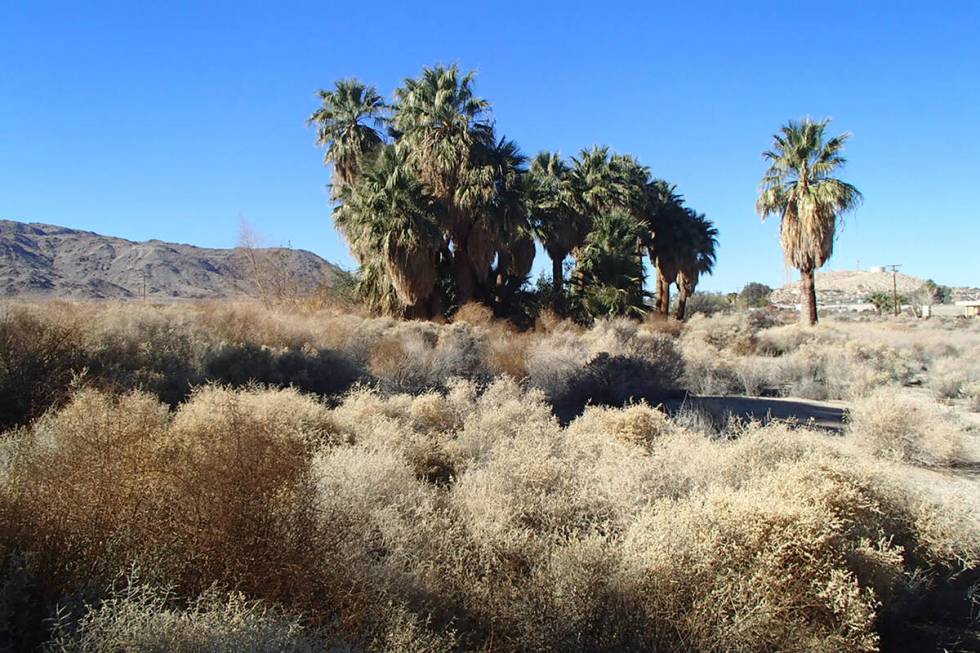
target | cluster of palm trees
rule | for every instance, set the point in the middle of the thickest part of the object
(440, 211)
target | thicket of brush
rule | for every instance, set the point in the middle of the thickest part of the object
(413, 512)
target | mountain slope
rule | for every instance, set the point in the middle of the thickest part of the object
(41, 260)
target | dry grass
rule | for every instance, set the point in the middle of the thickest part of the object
(444, 506)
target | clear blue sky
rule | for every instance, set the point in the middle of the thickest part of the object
(176, 120)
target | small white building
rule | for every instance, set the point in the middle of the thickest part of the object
(970, 308)
(959, 309)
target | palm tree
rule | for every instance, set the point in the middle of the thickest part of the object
(701, 238)
(553, 217)
(666, 221)
(610, 272)
(597, 190)
(800, 189)
(392, 229)
(347, 123)
(597, 182)
(504, 221)
(440, 122)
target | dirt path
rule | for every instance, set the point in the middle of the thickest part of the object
(827, 415)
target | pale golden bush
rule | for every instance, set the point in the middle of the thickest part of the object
(972, 393)
(895, 425)
(638, 424)
(141, 618)
(729, 570)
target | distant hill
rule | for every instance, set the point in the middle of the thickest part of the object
(42, 260)
(846, 287)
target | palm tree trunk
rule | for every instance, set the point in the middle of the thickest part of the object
(557, 282)
(682, 295)
(809, 297)
(463, 276)
(663, 294)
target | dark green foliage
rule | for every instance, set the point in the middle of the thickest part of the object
(609, 271)
(934, 293)
(754, 295)
(884, 303)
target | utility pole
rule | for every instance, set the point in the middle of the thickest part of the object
(894, 269)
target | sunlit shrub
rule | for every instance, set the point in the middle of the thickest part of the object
(894, 425)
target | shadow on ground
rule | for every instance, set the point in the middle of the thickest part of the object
(822, 415)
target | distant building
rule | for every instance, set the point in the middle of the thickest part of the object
(970, 308)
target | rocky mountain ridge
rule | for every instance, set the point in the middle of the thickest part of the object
(43, 260)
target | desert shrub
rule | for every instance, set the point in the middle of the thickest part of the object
(709, 371)
(143, 618)
(221, 493)
(616, 381)
(430, 513)
(972, 393)
(784, 339)
(735, 332)
(39, 356)
(638, 424)
(507, 353)
(788, 535)
(708, 303)
(894, 425)
(323, 371)
(146, 348)
(615, 362)
(416, 361)
(754, 295)
(950, 378)
(243, 323)
(474, 314)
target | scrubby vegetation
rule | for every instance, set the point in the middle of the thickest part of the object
(217, 477)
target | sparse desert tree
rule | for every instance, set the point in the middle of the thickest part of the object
(269, 269)
(347, 125)
(800, 188)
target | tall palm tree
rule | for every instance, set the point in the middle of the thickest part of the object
(392, 229)
(347, 125)
(800, 188)
(666, 221)
(701, 239)
(503, 222)
(441, 123)
(556, 223)
(597, 190)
